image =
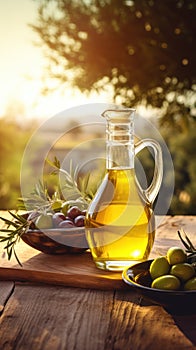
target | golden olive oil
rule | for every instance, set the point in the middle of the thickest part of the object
(119, 223)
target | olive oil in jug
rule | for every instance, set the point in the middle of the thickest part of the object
(120, 221)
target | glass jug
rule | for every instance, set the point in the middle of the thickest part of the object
(120, 226)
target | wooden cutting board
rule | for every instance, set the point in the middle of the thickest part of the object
(79, 270)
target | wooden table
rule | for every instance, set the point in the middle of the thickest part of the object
(49, 313)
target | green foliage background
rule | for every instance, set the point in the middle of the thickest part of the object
(144, 50)
(13, 141)
(182, 149)
(181, 145)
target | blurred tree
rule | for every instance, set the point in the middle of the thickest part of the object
(183, 152)
(13, 142)
(144, 49)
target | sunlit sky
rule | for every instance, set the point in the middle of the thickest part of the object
(22, 68)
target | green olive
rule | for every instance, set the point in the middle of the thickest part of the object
(190, 284)
(159, 267)
(64, 208)
(183, 271)
(167, 282)
(44, 221)
(56, 205)
(176, 255)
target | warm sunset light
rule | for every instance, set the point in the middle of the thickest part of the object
(97, 174)
(60, 56)
(22, 68)
(19, 58)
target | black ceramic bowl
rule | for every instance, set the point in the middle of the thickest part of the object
(138, 278)
(57, 241)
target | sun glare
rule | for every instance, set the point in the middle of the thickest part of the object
(22, 67)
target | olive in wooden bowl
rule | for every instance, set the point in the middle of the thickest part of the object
(56, 233)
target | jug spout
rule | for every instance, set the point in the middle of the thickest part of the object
(121, 114)
(119, 138)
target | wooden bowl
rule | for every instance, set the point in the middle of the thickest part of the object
(57, 241)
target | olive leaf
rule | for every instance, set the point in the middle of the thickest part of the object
(73, 187)
(189, 247)
(15, 229)
(38, 198)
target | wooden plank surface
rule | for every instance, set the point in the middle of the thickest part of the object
(46, 317)
(79, 270)
(53, 318)
(6, 289)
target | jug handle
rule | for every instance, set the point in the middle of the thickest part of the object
(153, 189)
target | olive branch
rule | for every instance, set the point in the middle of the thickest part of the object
(76, 189)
